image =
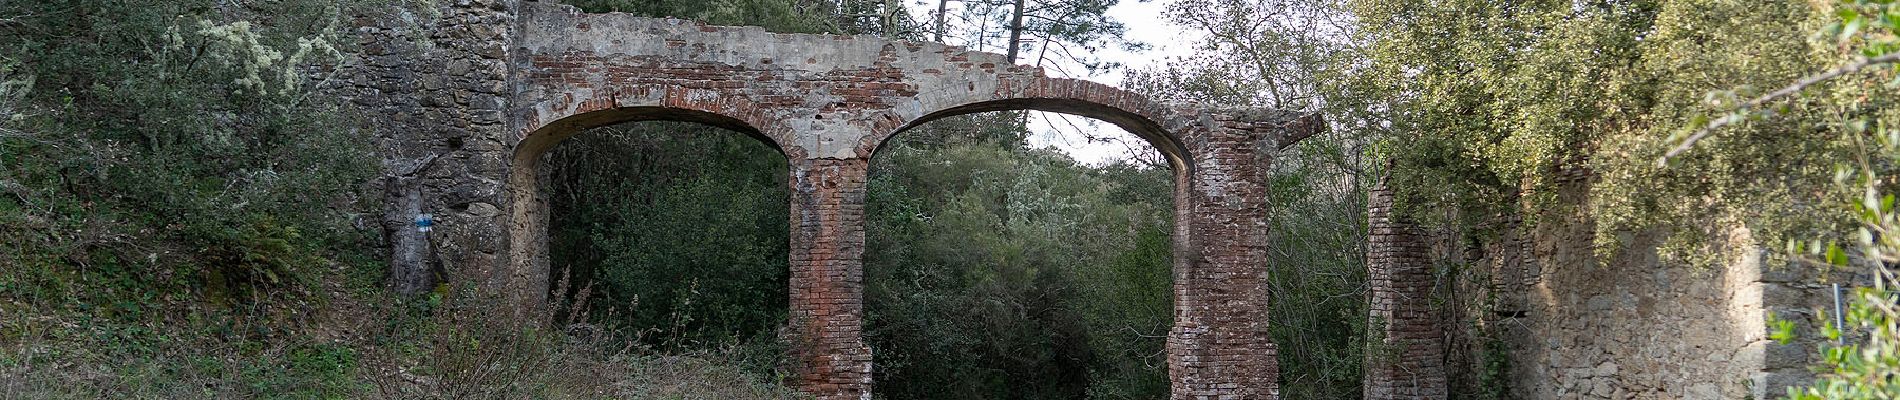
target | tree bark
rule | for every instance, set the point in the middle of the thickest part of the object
(1016, 30)
(891, 8)
(942, 8)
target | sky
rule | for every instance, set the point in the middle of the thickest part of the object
(1145, 24)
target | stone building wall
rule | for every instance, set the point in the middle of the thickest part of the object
(432, 84)
(1630, 324)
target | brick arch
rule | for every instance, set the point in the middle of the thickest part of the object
(1153, 122)
(553, 119)
(528, 227)
(544, 137)
(1220, 345)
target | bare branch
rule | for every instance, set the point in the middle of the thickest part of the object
(1858, 64)
(15, 19)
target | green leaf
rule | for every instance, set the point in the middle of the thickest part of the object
(1699, 121)
(1850, 24)
(1782, 331)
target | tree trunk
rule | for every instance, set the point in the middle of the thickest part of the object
(891, 8)
(942, 8)
(1016, 30)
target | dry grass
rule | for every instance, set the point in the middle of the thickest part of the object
(455, 350)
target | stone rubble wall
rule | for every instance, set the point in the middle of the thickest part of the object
(1577, 324)
(433, 84)
(1539, 311)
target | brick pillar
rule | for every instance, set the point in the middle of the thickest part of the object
(1220, 347)
(1405, 358)
(827, 278)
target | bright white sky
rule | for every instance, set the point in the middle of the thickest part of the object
(1145, 24)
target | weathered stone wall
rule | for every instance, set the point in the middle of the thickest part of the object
(1405, 356)
(434, 84)
(1576, 324)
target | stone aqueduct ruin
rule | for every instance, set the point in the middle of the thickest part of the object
(469, 96)
(828, 102)
(529, 74)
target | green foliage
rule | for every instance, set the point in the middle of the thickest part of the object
(1051, 31)
(995, 271)
(1867, 26)
(171, 148)
(1493, 99)
(169, 186)
(1863, 370)
(680, 226)
(1297, 55)
(1497, 96)
(1272, 54)
(1861, 358)
(171, 197)
(447, 350)
(1494, 368)
(1134, 290)
(326, 363)
(1865, 353)
(1317, 270)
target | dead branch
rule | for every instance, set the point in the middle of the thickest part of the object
(1858, 64)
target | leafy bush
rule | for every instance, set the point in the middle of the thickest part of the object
(174, 148)
(1862, 358)
(995, 270)
(680, 227)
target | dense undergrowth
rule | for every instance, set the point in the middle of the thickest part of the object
(1656, 103)
(183, 215)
